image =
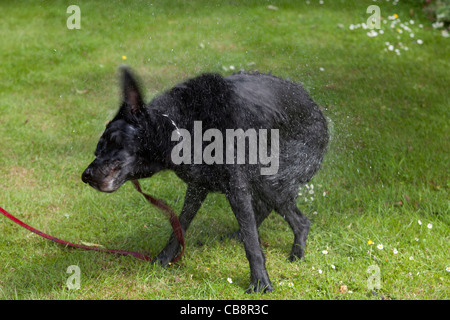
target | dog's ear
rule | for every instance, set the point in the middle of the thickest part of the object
(132, 97)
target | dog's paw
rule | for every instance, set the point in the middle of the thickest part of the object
(163, 260)
(260, 287)
(297, 253)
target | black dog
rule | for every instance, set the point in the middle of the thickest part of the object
(141, 139)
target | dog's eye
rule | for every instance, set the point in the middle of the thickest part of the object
(100, 147)
(116, 138)
(97, 151)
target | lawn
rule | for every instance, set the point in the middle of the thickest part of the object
(381, 198)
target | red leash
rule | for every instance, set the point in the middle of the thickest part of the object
(156, 202)
(175, 223)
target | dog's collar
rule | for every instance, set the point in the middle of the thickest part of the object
(173, 123)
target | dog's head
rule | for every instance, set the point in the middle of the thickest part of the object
(120, 153)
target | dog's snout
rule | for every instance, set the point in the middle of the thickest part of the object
(87, 175)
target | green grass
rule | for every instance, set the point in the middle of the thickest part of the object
(386, 168)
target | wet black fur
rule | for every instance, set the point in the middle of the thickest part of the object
(137, 143)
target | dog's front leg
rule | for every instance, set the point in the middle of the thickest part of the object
(192, 202)
(241, 203)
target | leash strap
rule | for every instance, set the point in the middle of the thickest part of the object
(156, 202)
(175, 223)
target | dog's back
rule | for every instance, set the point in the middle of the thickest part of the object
(254, 101)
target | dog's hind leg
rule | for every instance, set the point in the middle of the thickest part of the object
(261, 210)
(241, 202)
(193, 200)
(299, 224)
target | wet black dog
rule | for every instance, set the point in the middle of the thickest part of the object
(144, 139)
